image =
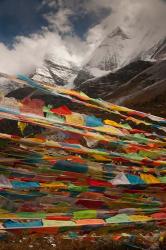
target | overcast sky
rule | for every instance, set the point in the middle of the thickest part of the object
(31, 29)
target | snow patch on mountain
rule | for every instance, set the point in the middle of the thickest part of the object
(98, 72)
(56, 70)
(109, 54)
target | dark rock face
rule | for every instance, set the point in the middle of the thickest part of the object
(107, 84)
(139, 85)
(142, 88)
(82, 76)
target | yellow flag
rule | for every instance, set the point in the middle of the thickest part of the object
(22, 126)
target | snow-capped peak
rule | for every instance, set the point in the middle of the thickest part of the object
(109, 54)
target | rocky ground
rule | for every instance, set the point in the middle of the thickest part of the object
(51, 242)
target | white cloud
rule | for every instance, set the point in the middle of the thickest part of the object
(60, 21)
(29, 52)
(142, 14)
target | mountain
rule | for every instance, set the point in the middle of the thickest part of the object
(108, 83)
(119, 49)
(108, 56)
(143, 87)
(56, 70)
(138, 85)
(116, 50)
(122, 69)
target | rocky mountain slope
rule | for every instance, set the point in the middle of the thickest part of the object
(139, 85)
(108, 83)
(56, 70)
(142, 88)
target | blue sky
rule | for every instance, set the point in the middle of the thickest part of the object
(20, 17)
(25, 17)
(70, 29)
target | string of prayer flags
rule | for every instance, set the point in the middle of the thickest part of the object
(74, 165)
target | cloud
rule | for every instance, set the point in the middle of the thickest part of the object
(62, 11)
(60, 21)
(144, 21)
(29, 52)
(134, 14)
